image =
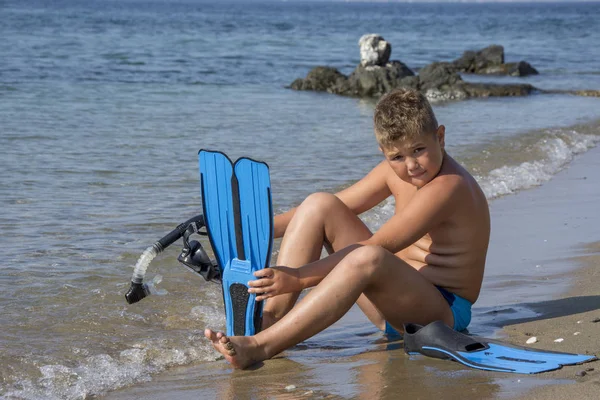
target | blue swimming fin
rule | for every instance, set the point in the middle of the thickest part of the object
(440, 341)
(236, 199)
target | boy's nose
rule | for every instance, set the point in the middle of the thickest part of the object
(411, 164)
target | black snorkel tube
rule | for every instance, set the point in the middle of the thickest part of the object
(192, 256)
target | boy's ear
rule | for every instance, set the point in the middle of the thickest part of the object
(441, 135)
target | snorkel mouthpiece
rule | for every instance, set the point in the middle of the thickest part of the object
(136, 292)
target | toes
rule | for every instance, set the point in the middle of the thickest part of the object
(210, 335)
(216, 337)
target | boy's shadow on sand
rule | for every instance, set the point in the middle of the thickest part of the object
(503, 316)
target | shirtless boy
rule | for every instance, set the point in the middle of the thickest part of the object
(425, 264)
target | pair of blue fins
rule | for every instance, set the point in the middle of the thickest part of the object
(238, 212)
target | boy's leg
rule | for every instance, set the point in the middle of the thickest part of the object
(400, 292)
(321, 219)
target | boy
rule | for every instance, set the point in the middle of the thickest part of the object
(425, 264)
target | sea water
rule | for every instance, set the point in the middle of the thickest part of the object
(105, 104)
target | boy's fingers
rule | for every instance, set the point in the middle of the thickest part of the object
(259, 290)
(263, 296)
(264, 273)
(260, 283)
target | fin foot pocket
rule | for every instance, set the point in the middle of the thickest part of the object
(239, 302)
(440, 341)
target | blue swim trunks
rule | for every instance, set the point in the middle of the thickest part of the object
(460, 307)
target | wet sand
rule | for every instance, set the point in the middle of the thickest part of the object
(562, 299)
(563, 319)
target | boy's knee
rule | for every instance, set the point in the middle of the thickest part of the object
(321, 202)
(368, 259)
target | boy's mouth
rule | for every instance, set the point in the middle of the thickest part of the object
(417, 174)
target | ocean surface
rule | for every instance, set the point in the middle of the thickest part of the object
(105, 104)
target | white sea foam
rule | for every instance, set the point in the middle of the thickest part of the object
(98, 374)
(558, 151)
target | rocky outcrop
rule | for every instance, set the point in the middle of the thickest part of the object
(490, 61)
(376, 75)
(440, 81)
(376, 80)
(363, 82)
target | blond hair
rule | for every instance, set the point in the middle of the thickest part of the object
(403, 114)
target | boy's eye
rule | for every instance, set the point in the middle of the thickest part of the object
(398, 158)
(418, 150)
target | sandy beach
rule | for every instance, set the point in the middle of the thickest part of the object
(566, 210)
(574, 315)
(563, 318)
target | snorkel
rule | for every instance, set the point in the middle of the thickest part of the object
(192, 256)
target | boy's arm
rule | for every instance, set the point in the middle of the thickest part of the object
(369, 191)
(360, 197)
(279, 280)
(430, 206)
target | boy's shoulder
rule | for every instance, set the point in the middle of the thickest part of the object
(453, 174)
(452, 185)
(455, 185)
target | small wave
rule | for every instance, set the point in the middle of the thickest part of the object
(559, 151)
(99, 374)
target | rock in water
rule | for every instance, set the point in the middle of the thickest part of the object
(320, 79)
(490, 61)
(522, 68)
(438, 75)
(374, 50)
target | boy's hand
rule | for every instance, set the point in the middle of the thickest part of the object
(274, 281)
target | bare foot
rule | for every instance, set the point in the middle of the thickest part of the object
(239, 351)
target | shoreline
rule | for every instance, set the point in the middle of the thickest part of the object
(563, 318)
(571, 313)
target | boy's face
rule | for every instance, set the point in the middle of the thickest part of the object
(417, 161)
